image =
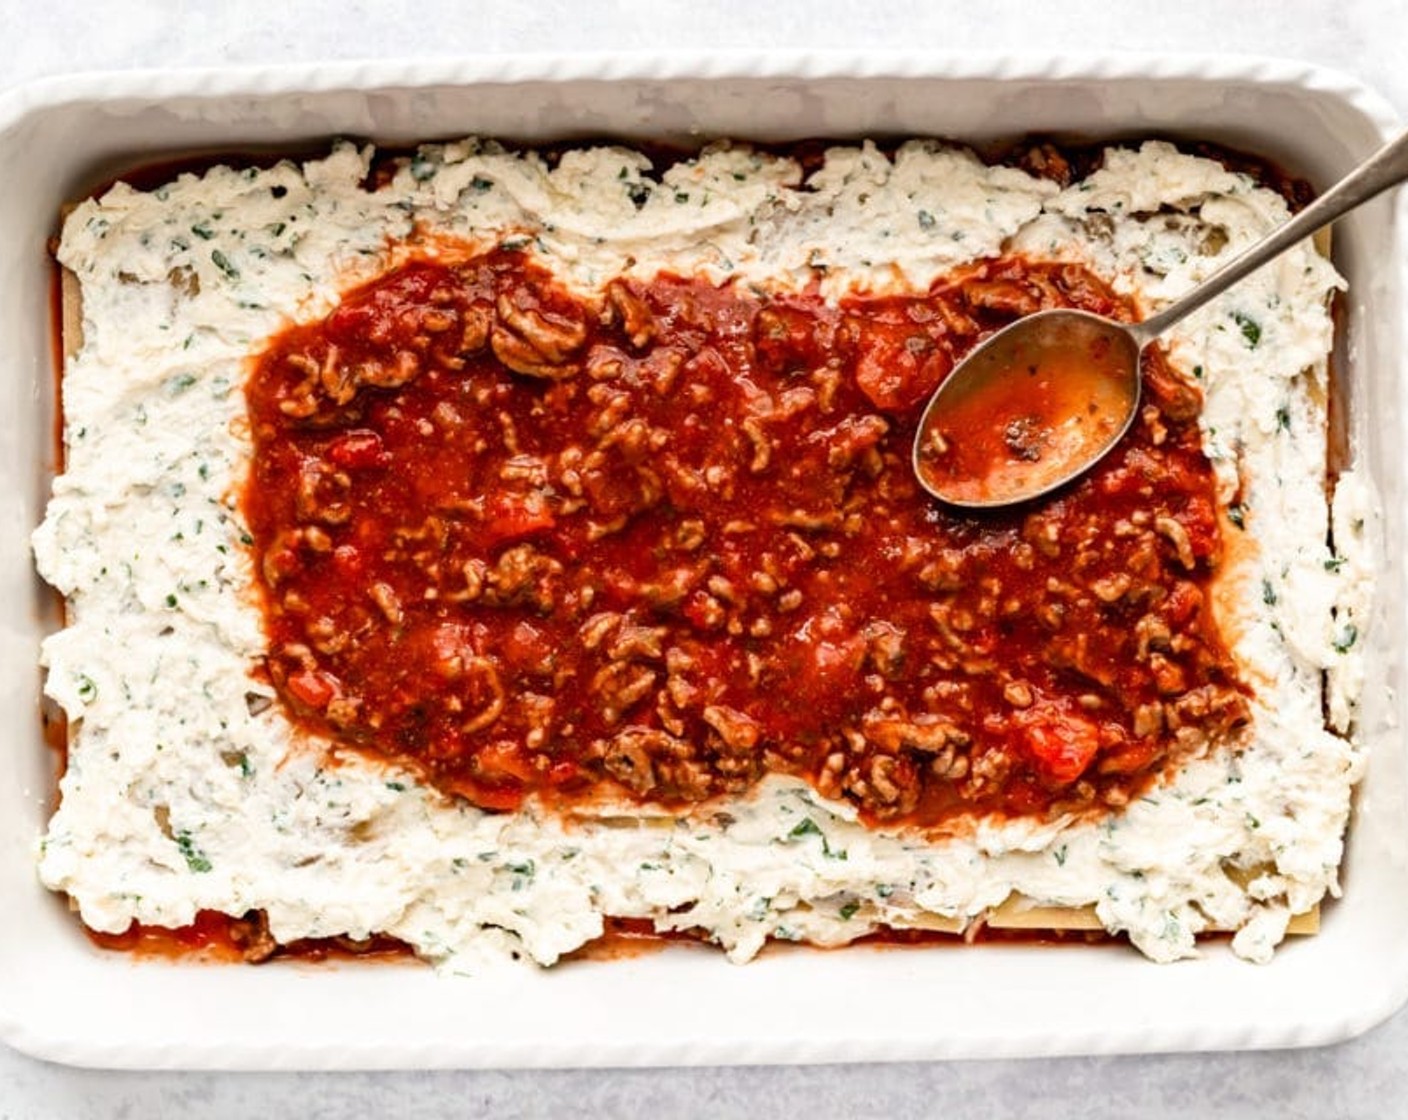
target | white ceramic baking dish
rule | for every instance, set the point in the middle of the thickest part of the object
(64, 1000)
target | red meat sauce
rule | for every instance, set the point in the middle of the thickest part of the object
(221, 938)
(661, 543)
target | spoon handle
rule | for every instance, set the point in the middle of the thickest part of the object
(1385, 168)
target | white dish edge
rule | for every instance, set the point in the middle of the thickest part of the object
(1209, 1007)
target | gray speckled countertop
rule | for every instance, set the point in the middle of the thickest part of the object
(1365, 38)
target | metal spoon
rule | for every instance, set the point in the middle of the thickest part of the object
(1045, 398)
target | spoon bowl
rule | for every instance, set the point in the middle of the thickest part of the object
(1029, 409)
(1047, 397)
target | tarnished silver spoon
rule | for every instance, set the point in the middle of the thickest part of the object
(1047, 397)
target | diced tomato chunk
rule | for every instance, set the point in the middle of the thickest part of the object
(358, 450)
(560, 773)
(1182, 603)
(348, 560)
(783, 337)
(311, 687)
(897, 371)
(1060, 743)
(514, 517)
(527, 649)
(503, 759)
(497, 798)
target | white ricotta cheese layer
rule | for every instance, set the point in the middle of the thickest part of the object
(186, 790)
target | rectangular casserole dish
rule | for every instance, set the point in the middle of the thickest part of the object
(62, 999)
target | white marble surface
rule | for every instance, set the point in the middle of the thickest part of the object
(1365, 1077)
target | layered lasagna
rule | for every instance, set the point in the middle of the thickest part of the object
(477, 547)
